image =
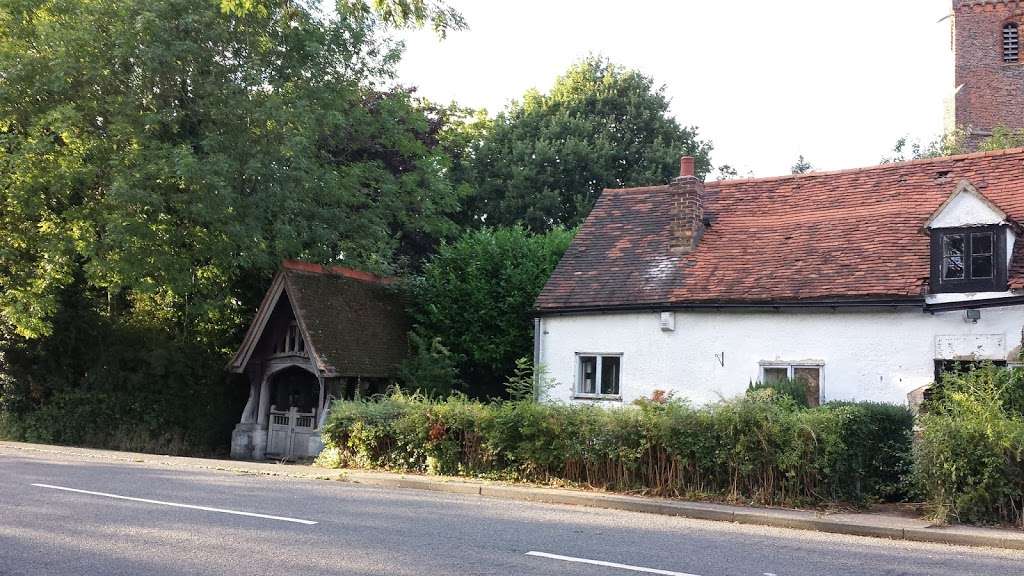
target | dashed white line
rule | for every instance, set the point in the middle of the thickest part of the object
(177, 505)
(606, 564)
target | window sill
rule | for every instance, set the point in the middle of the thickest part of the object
(605, 397)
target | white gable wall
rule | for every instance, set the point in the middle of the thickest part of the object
(966, 208)
(878, 356)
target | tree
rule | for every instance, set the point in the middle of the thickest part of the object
(175, 152)
(474, 299)
(801, 166)
(158, 158)
(948, 144)
(547, 158)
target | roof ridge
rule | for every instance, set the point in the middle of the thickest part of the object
(888, 166)
(313, 268)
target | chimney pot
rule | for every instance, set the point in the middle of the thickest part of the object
(686, 167)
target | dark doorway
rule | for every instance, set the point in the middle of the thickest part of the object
(294, 387)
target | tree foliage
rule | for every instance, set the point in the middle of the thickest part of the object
(547, 157)
(175, 152)
(801, 166)
(475, 298)
(952, 143)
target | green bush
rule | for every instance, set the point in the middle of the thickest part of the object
(758, 448)
(123, 387)
(969, 462)
(789, 387)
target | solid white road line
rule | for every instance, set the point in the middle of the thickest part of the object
(176, 505)
(607, 564)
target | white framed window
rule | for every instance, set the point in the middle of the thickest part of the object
(807, 372)
(598, 375)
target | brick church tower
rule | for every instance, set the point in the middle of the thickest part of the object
(989, 66)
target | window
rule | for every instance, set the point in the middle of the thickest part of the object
(962, 366)
(969, 259)
(597, 376)
(291, 342)
(1011, 43)
(809, 374)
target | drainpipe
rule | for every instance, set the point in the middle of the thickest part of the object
(538, 351)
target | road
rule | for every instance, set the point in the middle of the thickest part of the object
(73, 515)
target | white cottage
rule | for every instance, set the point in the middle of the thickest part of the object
(864, 283)
(320, 334)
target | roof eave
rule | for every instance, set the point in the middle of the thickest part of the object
(899, 302)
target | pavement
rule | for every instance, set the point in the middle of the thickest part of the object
(77, 511)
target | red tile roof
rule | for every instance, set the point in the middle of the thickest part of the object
(851, 235)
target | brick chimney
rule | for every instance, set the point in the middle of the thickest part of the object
(687, 198)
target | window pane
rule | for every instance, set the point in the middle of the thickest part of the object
(811, 377)
(610, 374)
(953, 245)
(981, 267)
(953, 257)
(953, 267)
(588, 374)
(981, 243)
(775, 374)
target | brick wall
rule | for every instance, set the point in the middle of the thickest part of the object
(993, 91)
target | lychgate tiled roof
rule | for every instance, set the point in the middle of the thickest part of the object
(853, 235)
(354, 320)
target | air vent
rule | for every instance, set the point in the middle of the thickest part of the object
(1011, 43)
(668, 321)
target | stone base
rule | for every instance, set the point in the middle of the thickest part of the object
(245, 442)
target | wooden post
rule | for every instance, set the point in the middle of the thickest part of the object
(264, 412)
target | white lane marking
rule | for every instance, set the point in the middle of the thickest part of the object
(607, 564)
(176, 505)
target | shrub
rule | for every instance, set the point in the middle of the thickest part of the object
(757, 448)
(794, 389)
(475, 297)
(969, 462)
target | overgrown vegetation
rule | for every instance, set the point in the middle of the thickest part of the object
(759, 448)
(471, 308)
(794, 389)
(158, 159)
(969, 462)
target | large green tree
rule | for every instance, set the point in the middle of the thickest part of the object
(173, 151)
(472, 306)
(546, 158)
(158, 158)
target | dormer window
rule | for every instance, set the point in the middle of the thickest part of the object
(971, 259)
(1011, 43)
(291, 342)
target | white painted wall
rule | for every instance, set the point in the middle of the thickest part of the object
(867, 355)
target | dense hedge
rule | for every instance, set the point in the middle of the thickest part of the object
(969, 462)
(758, 448)
(101, 384)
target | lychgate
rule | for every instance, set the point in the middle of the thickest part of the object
(319, 335)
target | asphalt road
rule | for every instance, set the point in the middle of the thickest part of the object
(314, 527)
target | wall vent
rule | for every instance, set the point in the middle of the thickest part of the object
(667, 321)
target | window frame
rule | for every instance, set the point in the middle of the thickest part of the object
(578, 381)
(995, 283)
(791, 368)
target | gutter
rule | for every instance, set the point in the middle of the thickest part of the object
(975, 304)
(915, 302)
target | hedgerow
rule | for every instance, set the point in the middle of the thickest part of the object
(969, 462)
(760, 448)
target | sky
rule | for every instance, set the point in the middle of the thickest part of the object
(836, 82)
